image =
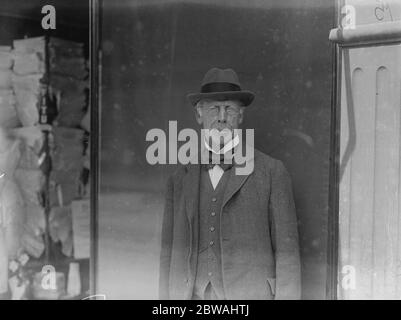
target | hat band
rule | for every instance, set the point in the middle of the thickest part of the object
(219, 87)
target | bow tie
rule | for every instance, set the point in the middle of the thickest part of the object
(224, 166)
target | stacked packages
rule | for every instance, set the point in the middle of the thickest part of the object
(31, 181)
(24, 73)
(65, 67)
(8, 112)
(67, 166)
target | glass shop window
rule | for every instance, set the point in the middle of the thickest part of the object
(156, 52)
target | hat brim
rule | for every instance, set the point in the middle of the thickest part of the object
(246, 97)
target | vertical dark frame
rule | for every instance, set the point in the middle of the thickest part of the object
(94, 103)
(334, 179)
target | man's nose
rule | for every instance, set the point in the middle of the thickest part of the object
(222, 115)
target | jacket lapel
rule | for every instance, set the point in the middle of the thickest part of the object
(235, 182)
(191, 197)
(191, 190)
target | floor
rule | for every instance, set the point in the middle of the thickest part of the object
(129, 244)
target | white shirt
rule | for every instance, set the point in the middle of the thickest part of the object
(217, 172)
(215, 175)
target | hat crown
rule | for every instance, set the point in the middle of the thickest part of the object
(217, 75)
(221, 84)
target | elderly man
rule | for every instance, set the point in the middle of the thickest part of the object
(227, 235)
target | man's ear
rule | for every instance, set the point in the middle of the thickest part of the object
(198, 115)
(241, 115)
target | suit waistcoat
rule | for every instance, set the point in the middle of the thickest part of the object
(209, 254)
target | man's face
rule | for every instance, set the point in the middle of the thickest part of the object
(219, 115)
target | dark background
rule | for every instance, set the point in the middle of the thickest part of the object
(154, 53)
(22, 18)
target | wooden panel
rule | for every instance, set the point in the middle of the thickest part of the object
(386, 186)
(398, 261)
(370, 184)
(375, 11)
(345, 185)
(362, 191)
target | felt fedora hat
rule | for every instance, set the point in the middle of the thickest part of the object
(221, 84)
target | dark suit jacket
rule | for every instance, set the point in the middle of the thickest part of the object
(259, 236)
